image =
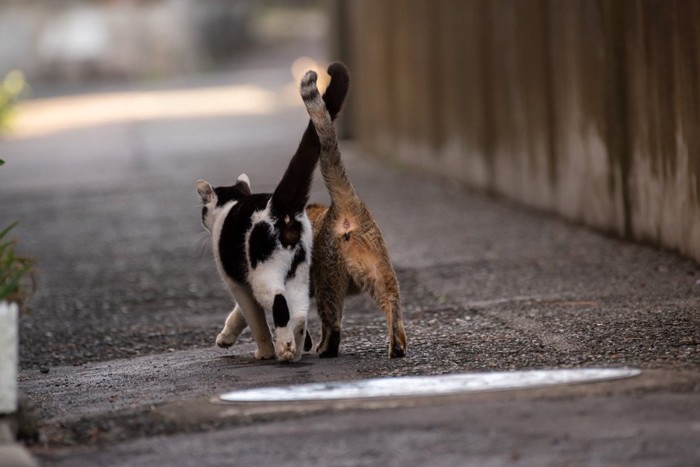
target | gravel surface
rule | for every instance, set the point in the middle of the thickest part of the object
(122, 274)
(129, 302)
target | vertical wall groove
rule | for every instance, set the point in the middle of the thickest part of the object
(590, 109)
(617, 137)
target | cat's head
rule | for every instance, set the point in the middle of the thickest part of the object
(215, 199)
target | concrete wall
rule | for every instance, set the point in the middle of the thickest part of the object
(587, 108)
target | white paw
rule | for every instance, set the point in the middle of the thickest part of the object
(264, 354)
(225, 340)
(287, 352)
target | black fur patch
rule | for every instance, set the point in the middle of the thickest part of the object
(397, 352)
(261, 244)
(232, 241)
(205, 210)
(333, 345)
(290, 233)
(243, 187)
(299, 257)
(280, 312)
(224, 194)
(336, 91)
(308, 343)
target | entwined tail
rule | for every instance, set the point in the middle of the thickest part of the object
(337, 181)
(292, 193)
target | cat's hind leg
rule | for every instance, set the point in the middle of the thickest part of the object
(234, 326)
(330, 310)
(331, 285)
(383, 287)
(330, 279)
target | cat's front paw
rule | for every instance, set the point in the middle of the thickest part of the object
(266, 354)
(225, 341)
(287, 352)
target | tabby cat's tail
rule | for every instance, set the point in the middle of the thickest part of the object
(292, 193)
(336, 178)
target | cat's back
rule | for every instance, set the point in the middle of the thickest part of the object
(231, 241)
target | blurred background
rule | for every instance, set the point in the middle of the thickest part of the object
(586, 108)
(110, 110)
(71, 43)
(140, 83)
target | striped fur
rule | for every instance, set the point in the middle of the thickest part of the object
(349, 250)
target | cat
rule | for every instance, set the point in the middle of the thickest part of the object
(349, 253)
(262, 245)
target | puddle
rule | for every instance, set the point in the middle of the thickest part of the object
(416, 386)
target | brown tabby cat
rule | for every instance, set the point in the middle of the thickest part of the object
(348, 252)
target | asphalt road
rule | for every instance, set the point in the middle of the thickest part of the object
(118, 355)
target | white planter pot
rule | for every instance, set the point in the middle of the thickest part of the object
(8, 357)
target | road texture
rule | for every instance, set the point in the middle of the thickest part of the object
(118, 355)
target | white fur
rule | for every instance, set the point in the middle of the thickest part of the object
(297, 288)
(250, 309)
(255, 317)
(218, 215)
(244, 178)
(266, 280)
(234, 326)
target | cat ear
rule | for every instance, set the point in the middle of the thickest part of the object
(243, 184)
(205, 191)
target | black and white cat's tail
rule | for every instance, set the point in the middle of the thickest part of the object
(292, 193)
(335, 177)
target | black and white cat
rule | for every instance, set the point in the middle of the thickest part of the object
(262, 245)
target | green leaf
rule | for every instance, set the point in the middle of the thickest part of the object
(12, 285)
(7, 229)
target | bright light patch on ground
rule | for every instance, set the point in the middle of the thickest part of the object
(42, 117)
(48, 116)
(412, 386)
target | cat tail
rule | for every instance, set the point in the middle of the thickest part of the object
(335, 177)
(292, 192)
